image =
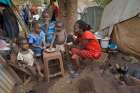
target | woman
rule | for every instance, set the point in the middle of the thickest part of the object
(88, 45)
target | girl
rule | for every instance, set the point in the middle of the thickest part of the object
(87, 45)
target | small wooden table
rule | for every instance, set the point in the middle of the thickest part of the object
(52, 56)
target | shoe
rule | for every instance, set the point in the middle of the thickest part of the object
(75, 75)
(72, 72)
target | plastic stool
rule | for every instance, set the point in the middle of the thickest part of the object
(52, 56)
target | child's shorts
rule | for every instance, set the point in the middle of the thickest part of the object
(60, 47)
(37, 51)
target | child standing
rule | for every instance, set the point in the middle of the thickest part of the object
(60, 36)
(37, 43)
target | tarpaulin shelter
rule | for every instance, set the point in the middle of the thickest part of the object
(120, 17)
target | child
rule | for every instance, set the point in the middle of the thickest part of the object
(37, 40)
(60, 36)
(26, 58)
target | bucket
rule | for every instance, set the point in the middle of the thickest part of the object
(105, 42)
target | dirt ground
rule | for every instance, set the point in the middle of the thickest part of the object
(91, 80)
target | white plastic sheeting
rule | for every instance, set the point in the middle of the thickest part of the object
(118, 11)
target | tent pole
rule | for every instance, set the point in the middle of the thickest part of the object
(110, 30)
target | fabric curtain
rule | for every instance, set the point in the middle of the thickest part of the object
(10, 24)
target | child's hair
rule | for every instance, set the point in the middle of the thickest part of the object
(82, 25)
(22, 41)
(35, 23)
(44, 13)
(60, 22)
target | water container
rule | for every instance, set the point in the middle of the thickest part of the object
(105, 42)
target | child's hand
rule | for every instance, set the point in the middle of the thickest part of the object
(68, 47)
(44, 47)
(70, 52)
(65, 45)
(75, 56)
(74, 37)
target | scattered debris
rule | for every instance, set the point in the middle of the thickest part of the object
(130, 59)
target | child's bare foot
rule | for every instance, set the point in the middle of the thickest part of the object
(40, 79)
(41, 75)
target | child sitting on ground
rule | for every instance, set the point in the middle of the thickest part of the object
(26, 58)
(60, 37)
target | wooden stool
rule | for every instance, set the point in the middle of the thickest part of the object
(52, 56)
(103, 58)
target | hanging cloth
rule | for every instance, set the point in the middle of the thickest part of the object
(56, 9)
(10, 24)
(26, 15)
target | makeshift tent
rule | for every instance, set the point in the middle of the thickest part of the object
(118, 11)
(127, 35)
(119, 17)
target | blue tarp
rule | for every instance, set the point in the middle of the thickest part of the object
(6, 2)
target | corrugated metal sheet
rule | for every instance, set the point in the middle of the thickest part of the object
(93, 16)
(7, 82)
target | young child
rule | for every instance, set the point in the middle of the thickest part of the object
(26, 58)
(37, 40)
(60, 36)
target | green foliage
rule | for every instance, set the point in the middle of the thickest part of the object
(103, 3)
